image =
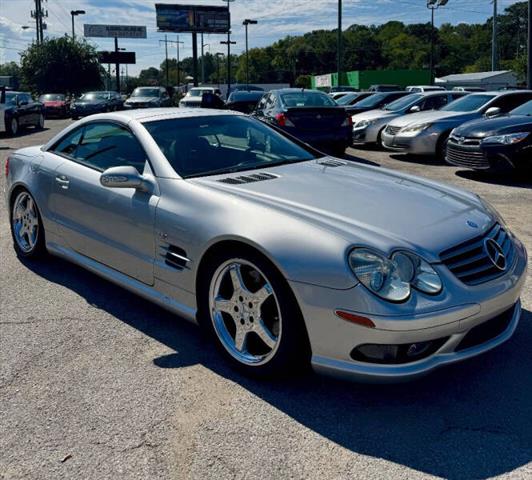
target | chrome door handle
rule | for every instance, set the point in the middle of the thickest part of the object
(63, 181)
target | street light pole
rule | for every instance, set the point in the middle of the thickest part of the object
(228, 47)
(75, 13)
(494, 39)
(247, 22)
(433, 5)
(339, 46)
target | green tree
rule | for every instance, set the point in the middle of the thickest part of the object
(61, 65)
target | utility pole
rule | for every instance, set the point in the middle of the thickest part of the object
(529, 69)
(38, 14)
(117, 66)
(74, 13)
(177, 42)
(228, 43)
(247, 22)
(202, 61)
(339, 46)
(494, 39)
(165, 41)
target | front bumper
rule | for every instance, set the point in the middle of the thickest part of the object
(425, 143)
(450, 318)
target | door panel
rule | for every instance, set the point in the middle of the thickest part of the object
(112, 226)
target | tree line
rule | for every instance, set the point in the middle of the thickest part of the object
(65, 66)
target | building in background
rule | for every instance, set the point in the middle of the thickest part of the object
(484, 80)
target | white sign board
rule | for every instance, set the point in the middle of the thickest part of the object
(112, 31)
(324, 80)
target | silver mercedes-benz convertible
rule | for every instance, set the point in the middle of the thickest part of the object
(287, 257)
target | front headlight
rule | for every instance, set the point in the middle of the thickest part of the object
(393, 278)
(415, 129)
(364, 123)
(509, 139)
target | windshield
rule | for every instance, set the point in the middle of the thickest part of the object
(525, 109)
(95, 96)
(51, 97)
(11, 98)
(373, 100)
(198, 92)
(199, 146)
(347, 99)
(145, 92)
(403, 103)
(469, 103)
(307, 99)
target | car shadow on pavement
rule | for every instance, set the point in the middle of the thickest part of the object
(518, 178)
(419, 159)
(466, 421)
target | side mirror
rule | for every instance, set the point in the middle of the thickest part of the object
(492, 112)
(124, 177)
(415, 109)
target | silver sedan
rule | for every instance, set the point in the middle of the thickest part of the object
(285, 256)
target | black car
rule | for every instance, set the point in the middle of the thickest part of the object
(148, 97)
(96, 102)
(351, 99)
(21, 111)
(374, 101)
(310, 115)
(500, 143)
(243, 101)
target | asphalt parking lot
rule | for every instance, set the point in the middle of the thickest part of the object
(96, 383)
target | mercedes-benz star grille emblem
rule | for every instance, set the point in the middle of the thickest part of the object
(495, 253)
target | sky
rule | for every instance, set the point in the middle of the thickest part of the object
(277, 18)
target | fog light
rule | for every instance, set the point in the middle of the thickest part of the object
(396, 354)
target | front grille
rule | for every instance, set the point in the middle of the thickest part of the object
(466, 154)
(470, 262)
(486, 331)
(391, 130)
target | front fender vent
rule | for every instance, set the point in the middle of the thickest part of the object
(175, 257)
(256, 177)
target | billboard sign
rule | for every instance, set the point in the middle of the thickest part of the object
(117, 57)
(192, 18)
(114, 31)
(323, 80)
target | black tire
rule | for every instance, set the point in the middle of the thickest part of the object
(441, 147)
(380, 146)
(293, 350)
(12, 126)
(39, 249)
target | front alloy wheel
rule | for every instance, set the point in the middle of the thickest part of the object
(12, 126)
(26, 226)
(250, 310)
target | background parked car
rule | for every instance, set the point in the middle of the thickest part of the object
(194, 96)
(469, 89)
(424, 88)
(310, 115)
(502, 143)
(384, 88)
(376, 100)
(368, 126)
(148, 97)
(351, 99)
(342, 88)
(20, 110)
(337, 95)
(426, 133)
(55, 105)
(96, 102)
(243, 101)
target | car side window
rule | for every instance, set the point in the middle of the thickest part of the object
(67, 146)
(435, 102)
(104, 145)
(509, 102)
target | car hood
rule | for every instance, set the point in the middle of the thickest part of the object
(433, 116)
(493, 126)
(373, 115)
(141, 99)
(366, 205)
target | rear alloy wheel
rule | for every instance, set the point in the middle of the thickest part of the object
(26, 226)
(253, 318)
(12, 126)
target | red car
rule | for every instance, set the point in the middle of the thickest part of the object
(55, 105)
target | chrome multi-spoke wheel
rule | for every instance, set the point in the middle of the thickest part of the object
(245, 312)
(25, 223)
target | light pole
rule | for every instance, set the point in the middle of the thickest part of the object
(339, 46)
(203, 45)
(433, 5)
(75, 13)
(26, 27)
(247, 22)
(228, 47)
(218, 55)
(494, 38)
